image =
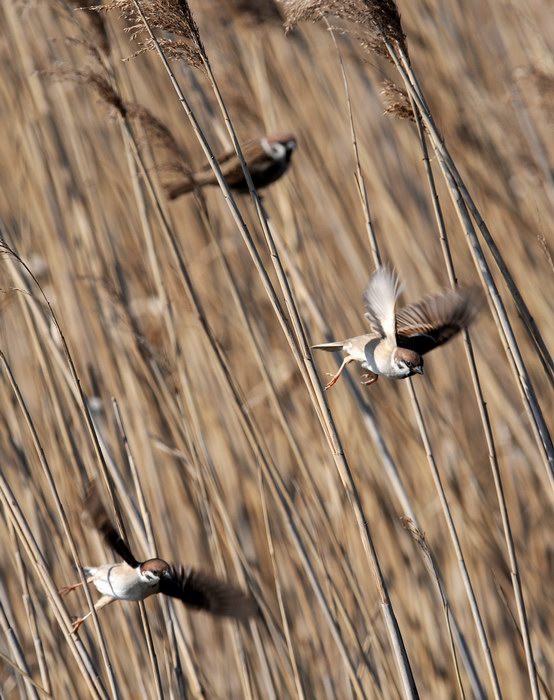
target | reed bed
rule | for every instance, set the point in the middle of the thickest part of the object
(397, 539)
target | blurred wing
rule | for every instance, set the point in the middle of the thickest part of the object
(101, 521)
(205, 592)
(435, 319)
(254, 155)
(223, 160)
(380, 298)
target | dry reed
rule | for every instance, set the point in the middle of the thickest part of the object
(203, 410)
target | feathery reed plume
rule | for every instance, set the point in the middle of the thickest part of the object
(397, 102)
(543, 83)
(379, 20)
(172, 17)
(170, 156)
(96, 22)
(90, 77)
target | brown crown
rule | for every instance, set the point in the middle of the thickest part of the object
(282, 138)
(411, 356)
(156, 566)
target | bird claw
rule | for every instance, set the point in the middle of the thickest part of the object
(67, 589)
(334, 379)
(77, 622)
(369, 378)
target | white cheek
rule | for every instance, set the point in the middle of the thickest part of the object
(402, 370)
(274, 150)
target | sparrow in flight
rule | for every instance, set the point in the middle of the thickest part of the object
(397, 340)
(135, 580)
(267, 159)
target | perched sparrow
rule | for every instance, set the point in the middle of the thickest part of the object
(398, 339)
(267, 158)
(135, 580)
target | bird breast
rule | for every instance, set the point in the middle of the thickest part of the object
(378, 355)
(355, 347)
(123, 582)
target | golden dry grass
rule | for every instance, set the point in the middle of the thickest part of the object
(246, 483)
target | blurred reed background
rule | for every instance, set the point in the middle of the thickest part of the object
(216, 441)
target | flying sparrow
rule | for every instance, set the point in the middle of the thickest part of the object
(135, 580)
(267, 158)
(397, 340)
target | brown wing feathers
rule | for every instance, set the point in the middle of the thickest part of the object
(195, 588)
(435, 319)
(205, 592)
(230, 168)
(101, 521)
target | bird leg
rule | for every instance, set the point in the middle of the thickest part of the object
(101, 603)
(369, 378)
(67, 589)
(334, 379)
(73, 587)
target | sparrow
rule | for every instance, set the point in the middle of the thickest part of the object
(268, 158)
(135, 580)
(397, 340)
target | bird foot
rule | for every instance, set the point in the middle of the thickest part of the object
(334, 379)
(369, 378)
(77, 622)
(67, 589)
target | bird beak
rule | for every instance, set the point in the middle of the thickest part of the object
(419, 370)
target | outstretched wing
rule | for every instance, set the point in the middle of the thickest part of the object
(437, 318)
(205, 592)
(254, 155)
(101, 521)
(380, 298)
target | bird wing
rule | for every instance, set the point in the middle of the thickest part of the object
(205, 592)
(380, 298)
(254, 155)
(101, 521)
(257, 160)
(435, 319)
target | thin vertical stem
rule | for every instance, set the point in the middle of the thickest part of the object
(455, 187)
(61, 512)
(485, 419)
(456, 543)
(303, 356)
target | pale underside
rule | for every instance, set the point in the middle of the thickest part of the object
(121, 581)
(421, 326)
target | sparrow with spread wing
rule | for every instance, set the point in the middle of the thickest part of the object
(397, 340)
(267, 159)
(135, 580)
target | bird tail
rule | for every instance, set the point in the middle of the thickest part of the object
(184, 187)
(191, 182)
(329, 347)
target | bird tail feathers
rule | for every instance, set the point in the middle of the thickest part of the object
(184, 187)
(329, 347)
